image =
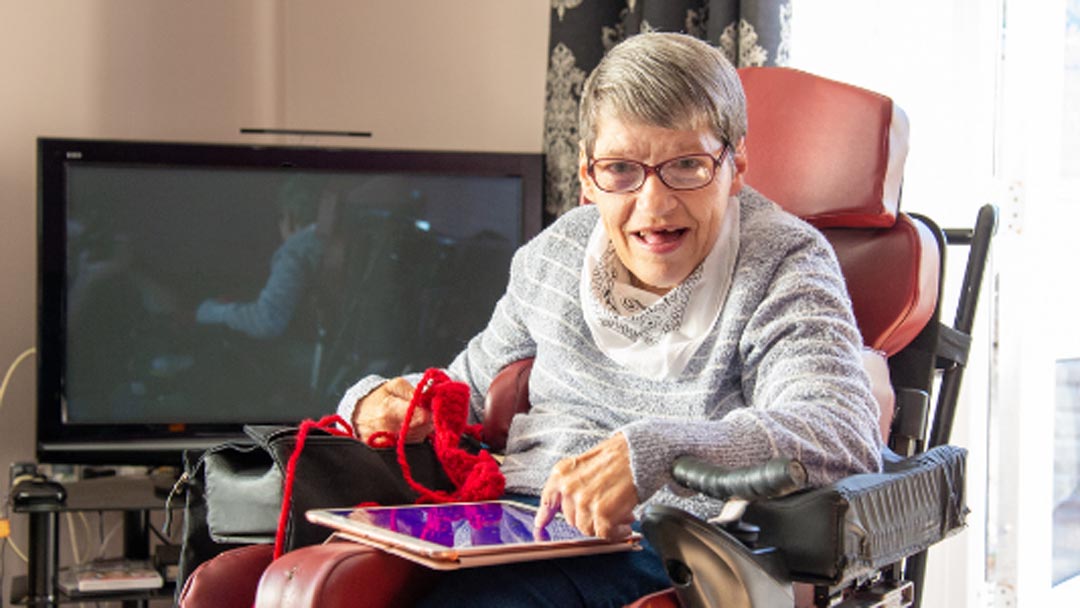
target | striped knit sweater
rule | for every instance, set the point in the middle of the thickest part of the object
(780, 375)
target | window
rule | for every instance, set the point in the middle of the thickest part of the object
(1066, 503)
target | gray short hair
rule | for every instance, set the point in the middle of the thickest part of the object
(674, 81)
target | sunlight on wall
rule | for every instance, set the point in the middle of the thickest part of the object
(934, 60)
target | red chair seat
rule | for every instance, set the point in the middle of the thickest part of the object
(342, 575)
(229, 579)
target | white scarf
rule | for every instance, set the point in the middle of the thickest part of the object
(655, 336)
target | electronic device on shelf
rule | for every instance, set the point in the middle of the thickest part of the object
(413, 251)
(108, 576)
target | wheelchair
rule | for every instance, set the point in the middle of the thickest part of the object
(832, 154)
(861, 541)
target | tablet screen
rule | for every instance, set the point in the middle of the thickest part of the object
(464, 526)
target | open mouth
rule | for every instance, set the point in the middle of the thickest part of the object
(663, 236)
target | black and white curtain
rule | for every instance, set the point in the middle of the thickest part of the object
(750, 32)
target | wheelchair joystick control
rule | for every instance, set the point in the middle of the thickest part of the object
(709, 567)
(744, 532)
(734, 573)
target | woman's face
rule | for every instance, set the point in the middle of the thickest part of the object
(661, 235)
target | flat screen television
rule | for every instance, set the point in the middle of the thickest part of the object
(187, 289)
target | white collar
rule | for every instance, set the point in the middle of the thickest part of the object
(656, 336)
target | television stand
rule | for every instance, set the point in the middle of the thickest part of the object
(134, 496)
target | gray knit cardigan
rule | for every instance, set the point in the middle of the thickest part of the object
(780, 374)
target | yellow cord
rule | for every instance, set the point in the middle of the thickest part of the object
(3, 389)
(11, 370)
(18, 553)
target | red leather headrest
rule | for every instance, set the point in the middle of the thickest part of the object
(831, 153)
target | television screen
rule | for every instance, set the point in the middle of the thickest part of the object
(187, 289)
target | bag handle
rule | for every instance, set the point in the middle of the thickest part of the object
(326, 423)
(476, 476)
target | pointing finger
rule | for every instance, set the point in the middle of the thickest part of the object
(549, 506)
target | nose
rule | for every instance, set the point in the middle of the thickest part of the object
(654, 197)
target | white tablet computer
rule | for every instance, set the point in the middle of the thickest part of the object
(463, 535)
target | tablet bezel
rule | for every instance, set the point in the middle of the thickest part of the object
(390, 539)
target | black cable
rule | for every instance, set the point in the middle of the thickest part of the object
(164, 539)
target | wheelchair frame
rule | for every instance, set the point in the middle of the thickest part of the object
(720, 562)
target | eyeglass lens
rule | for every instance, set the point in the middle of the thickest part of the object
(682, 173)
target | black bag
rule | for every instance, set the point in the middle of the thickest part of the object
(234, 490)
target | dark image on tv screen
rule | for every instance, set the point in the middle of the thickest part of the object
(185, 290)
(217, 295)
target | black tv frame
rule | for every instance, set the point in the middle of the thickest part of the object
(163, 444)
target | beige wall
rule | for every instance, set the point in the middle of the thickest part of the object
(423, 74)
(458, 77)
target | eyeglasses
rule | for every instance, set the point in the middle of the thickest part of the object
(621, 175)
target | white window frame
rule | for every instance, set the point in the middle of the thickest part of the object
(1035, 331)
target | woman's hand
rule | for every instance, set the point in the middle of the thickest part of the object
(383, 410)
(595, 491)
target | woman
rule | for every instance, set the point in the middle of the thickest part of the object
(682, 313)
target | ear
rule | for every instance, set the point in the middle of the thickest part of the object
(588, 188)
(739, 162)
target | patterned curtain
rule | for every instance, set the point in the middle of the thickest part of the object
(750, 32)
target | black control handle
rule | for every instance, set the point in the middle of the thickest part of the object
(772, 479)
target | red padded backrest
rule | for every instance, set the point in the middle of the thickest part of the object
(829, 152)
(833, 154)
(892, 277)
(507, 396)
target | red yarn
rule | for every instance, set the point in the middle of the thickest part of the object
(476, 476)
(325, 423)
(381, 439)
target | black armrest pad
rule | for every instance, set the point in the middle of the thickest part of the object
(868, 521)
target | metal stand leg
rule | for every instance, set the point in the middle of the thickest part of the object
(42, 560)
(136, 544)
